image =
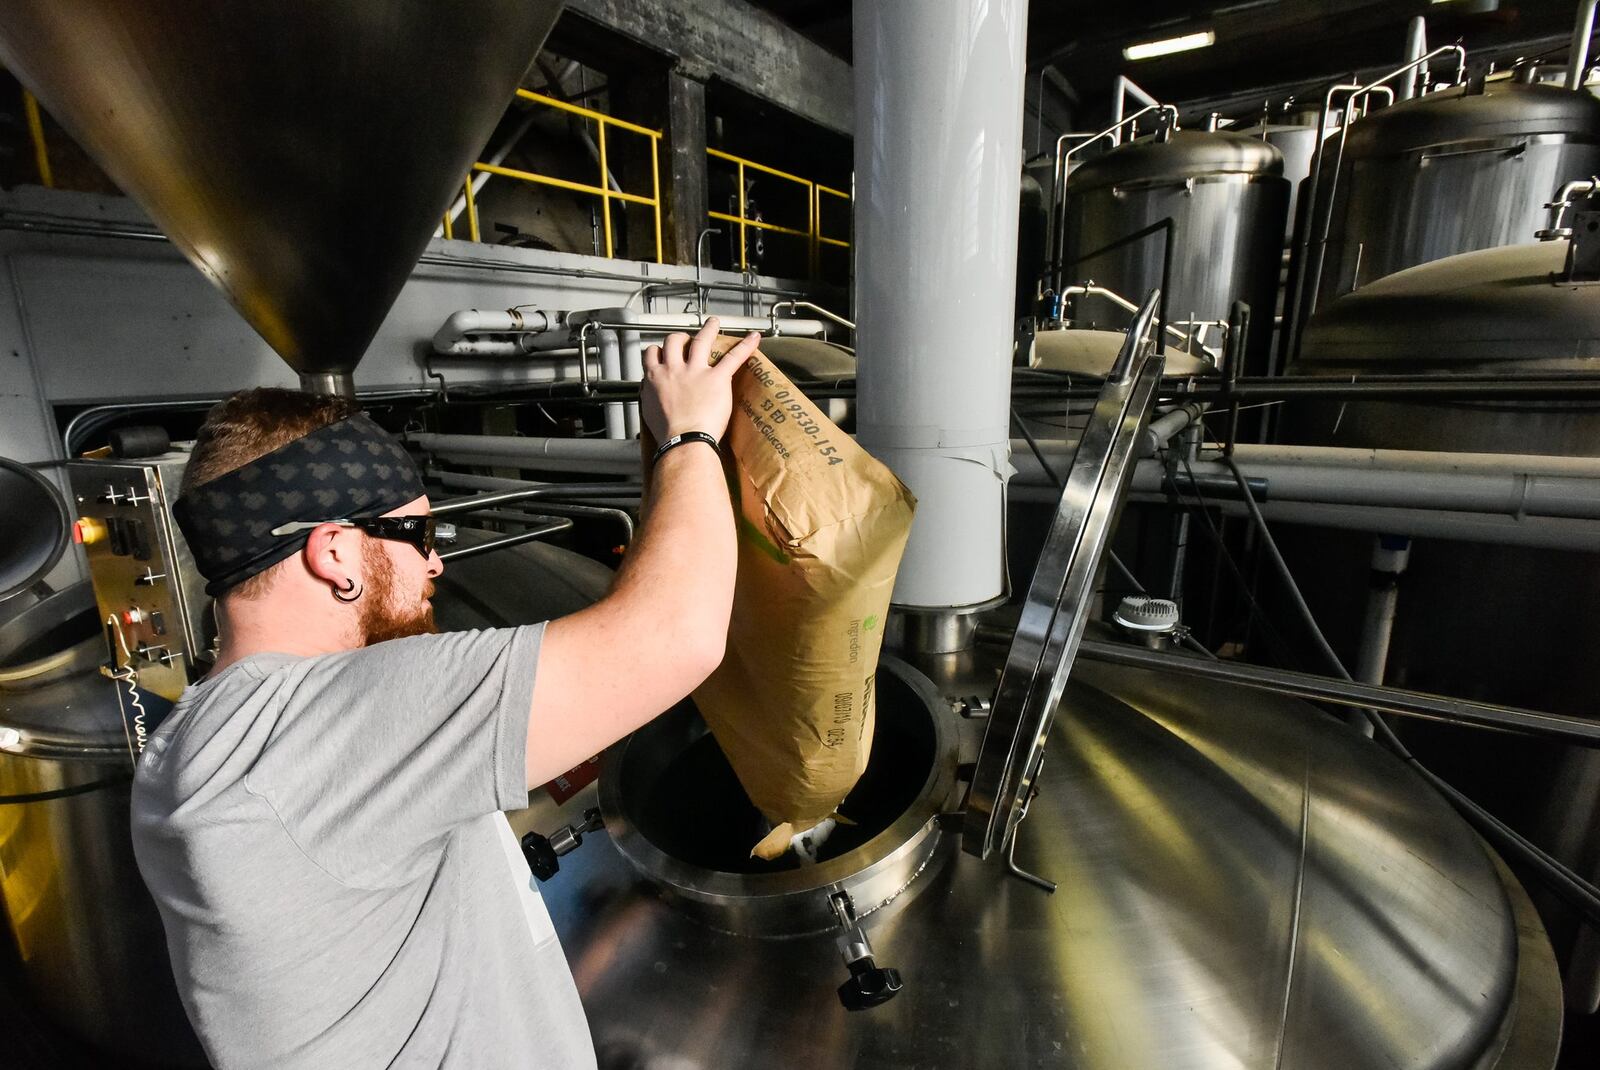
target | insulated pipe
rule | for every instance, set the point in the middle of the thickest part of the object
(1510, 494)
(611, 368)
(1161, 429)
(1578, 61)
(470, 321)
(661, 323)
(633, 371)
(1422, 460)
(938, 90)
(1544, 533)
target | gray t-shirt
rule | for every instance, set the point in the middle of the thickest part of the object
(324, 838)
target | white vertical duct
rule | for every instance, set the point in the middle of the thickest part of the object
(938, 88)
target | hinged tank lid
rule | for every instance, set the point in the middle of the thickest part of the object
(1056, 610)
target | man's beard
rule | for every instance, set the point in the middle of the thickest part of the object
(382, 618)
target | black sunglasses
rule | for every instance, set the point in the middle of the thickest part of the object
(420, 531)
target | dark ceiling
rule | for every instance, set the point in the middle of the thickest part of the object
(1260, 43)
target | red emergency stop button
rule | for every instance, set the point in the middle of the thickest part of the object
(88, 530)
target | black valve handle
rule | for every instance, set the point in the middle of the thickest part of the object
(870, 985)
(544, 852)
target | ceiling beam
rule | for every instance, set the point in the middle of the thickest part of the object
(742, 45)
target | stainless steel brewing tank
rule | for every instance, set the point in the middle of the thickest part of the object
(1455, 171)
(1298, 144)
(91, 943)
(1228, 201)
(1244, 882)
(1499, 623)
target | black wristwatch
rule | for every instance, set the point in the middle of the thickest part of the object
(678, 440)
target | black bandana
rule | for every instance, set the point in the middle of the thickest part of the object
(352, 468)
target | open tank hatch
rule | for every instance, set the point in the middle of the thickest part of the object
(674, 808)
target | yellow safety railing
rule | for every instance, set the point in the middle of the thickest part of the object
(603, 190)
(814, 193)
(816, 214)
(41, 155)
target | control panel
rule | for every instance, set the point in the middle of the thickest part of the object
(152, 602)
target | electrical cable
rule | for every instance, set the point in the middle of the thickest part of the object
(126, 674)
(1268, 629)
(1561, 880)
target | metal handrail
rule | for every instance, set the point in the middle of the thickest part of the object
(814, 190)
(1300, 293)
(1058, 199)
(603, 190)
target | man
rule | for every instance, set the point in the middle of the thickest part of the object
(319, 818)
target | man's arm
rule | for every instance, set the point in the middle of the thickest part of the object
(663, 627)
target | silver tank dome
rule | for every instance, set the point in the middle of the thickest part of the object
(1507, 308)
(1186, 154)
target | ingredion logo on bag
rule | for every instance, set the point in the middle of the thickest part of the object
(822, 525)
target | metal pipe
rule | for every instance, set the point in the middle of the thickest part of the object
(555, 525)
(1564, 200)
(1168, 424)
(1090, 289)
(607, 456)
(472, 321)
(1508, 493)
(1122, 88)
(611, 368)
(515, 515)
(536, 492)
(818, 309)
(1416, 47)
(1390, 700)
(1423, 460)
(1390, 556)
(1583, 28)
(1545, 533)
(662, 323)
(1034, 383)
(550, 503)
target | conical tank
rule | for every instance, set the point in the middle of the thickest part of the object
(299, 153)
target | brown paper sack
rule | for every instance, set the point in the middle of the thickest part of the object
(822, 525)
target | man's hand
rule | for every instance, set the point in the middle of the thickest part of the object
(663, 626)
(683, 391)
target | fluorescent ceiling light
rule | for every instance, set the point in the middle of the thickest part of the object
(1166, 47)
